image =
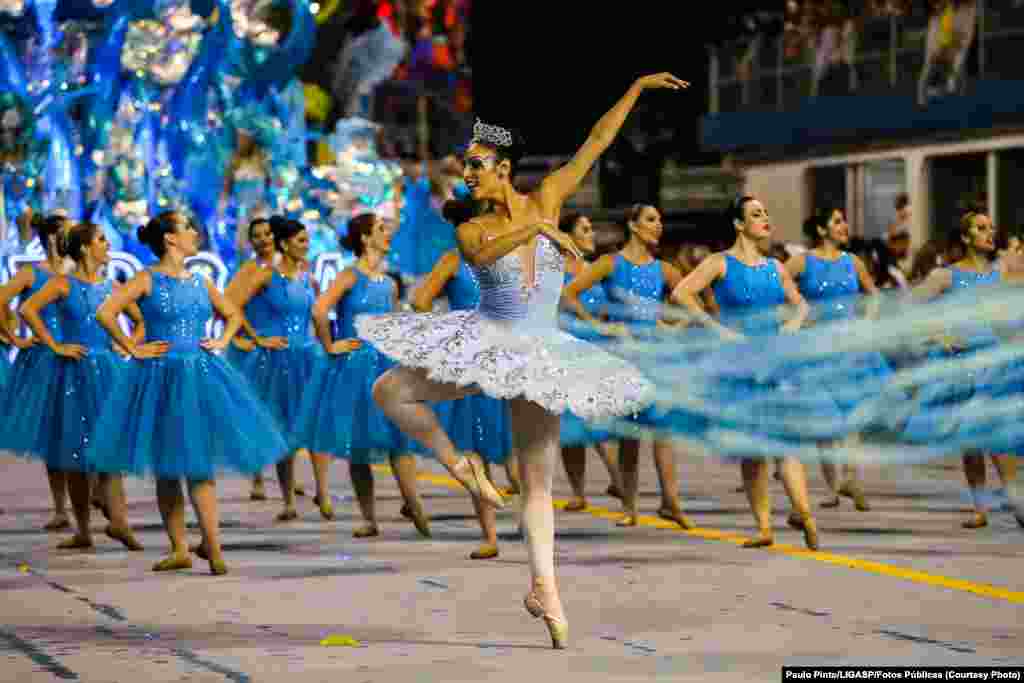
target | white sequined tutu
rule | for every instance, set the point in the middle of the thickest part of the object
(511, 346)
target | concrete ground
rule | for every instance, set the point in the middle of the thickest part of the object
(902, 585)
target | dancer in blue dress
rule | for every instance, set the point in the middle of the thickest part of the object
(180, 411)
(338, 415)
(283, 296)
(256, 321)
(476, 424)
(940, 411)
(86, 370)
(34, 370)
(748, 288)
(832, 280)
(261, 240)
(637, 283)
(577, 434)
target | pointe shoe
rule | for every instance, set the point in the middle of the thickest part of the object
(125, 536)
(577, 504)
(172, 563)
(978, 521)
(327, 512)
(366, 531)
(300, 490)
(76, 542)
(58, 523)
(486, 551)
(676, 516)
(558, 629)
(627, 520)
(477, 483)
(218, 568)
(831, 503)
(287, 515)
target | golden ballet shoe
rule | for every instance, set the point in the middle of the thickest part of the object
(857, 495)
(576, 505)
(761, 541)
(978, 521)
(676, 516)
(627, 520)
(125, 536)
(76, 542)
(173, 562)
(366, 531)
(486, 551)
(287, 515)
(420, 521)
(557, 628)
(218, 567)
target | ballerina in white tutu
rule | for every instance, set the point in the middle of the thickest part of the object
(510, 347)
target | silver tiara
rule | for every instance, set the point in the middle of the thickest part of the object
(493, 135)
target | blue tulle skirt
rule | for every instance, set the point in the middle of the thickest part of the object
(480, 424)
(30, 404)
(963, 408)
(279, 378)
(5, 367)
(338, 414)
(186, 414)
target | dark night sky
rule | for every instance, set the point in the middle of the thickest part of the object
(553, 73)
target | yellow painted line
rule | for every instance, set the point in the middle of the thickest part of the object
(984, 590)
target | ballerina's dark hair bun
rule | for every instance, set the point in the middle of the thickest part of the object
(284, 229)
(47, 226)
(75, 238)
(358, 227)
(152, 233)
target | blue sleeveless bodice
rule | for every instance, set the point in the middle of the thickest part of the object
(831, 285)
(289, 305)
(463, 289)
(78, 313)
(259, 315)
(176, 311)
(747, 296)
(366, 296)
(635, 292)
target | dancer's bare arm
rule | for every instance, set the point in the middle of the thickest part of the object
(561, 184)
(227, 310)
(443, 271)
(121, 298)
(328, 300)
(868, 286)
(246, 280)
(57, 288)
(794, 297)
(481, 251)
(693, 285)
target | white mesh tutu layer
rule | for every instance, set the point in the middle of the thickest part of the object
(509, 360)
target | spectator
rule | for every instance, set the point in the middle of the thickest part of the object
(951, 27)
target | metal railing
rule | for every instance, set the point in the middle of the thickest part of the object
(761, 74)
